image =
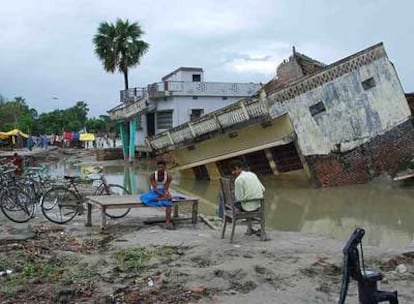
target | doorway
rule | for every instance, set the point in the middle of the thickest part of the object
(150, 124)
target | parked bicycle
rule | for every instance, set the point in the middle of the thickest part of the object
(20, 195)
(15, 202)
(62, 203)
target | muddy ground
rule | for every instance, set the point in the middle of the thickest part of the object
(134, 262)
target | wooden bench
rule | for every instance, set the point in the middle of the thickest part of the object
(104, 202)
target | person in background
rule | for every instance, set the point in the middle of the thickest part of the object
(17, 161)
(248, 190)
(160, 184)
(30, 143)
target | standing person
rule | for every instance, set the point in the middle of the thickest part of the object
(160, 196)
(30, 143)
(248, 190)
(17, 161)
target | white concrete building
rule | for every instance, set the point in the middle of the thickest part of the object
(181, 96)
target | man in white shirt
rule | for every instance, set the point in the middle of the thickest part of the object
(248, 189)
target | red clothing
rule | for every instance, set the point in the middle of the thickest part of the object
(18, 162)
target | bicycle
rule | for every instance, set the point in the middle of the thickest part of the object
(37, 183)
(15, 202)
(21, 195)
(62, 203)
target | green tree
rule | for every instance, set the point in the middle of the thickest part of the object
(102, 125)
(71, 119)
(16, 114)
(119, 47)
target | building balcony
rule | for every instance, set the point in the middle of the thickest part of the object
(184, 88)
(244, 112)
(136, 102)
(132, 95)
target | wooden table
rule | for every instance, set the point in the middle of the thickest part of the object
(104, 202)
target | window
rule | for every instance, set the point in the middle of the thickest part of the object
(201, 173)
(224, 98)
(196, 113)
(317, 108)
(195, 97)
(164, 119)
(196, 77)
(369, 83)
(139, 122)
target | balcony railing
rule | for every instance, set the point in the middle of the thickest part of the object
(184, 88)
(137, 100)
(136, 104)
(244, 111)
(132, 95)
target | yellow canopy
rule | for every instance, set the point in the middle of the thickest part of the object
(13, 132)
(86, 136)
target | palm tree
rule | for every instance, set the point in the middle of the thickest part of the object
(119, 47)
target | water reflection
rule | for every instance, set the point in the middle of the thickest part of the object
(384, 210)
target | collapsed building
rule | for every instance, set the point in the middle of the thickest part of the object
(342, 123)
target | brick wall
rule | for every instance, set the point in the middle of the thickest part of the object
(109, 154)
(387, 153)
(289, 70)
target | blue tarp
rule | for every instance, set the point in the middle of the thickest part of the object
(151, 199)
(75, 136)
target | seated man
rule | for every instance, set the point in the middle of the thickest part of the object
(248, 189)
(160, 195)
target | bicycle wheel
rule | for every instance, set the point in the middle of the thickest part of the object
(60, 205)
(114, 190)
(16, 205)
(30, 187)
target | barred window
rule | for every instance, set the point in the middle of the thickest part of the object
(368, 83)
(317, 108)
(164, 120)
(196, 113)
(139, 122)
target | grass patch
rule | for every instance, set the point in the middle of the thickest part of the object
(4, 265)
(79, 274)
(133, 259)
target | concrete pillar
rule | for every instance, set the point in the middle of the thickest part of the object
(271, 161)
(124, 139)
(132, 134)
(133, 180)
(303, 160)
(127, 179)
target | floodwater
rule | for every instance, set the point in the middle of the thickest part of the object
(383, 208)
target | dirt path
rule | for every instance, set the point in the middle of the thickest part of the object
(137, 263)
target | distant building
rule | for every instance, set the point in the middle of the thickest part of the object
(181, 96)
(342, 123)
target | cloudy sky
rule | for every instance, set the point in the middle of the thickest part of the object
(47, 55)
